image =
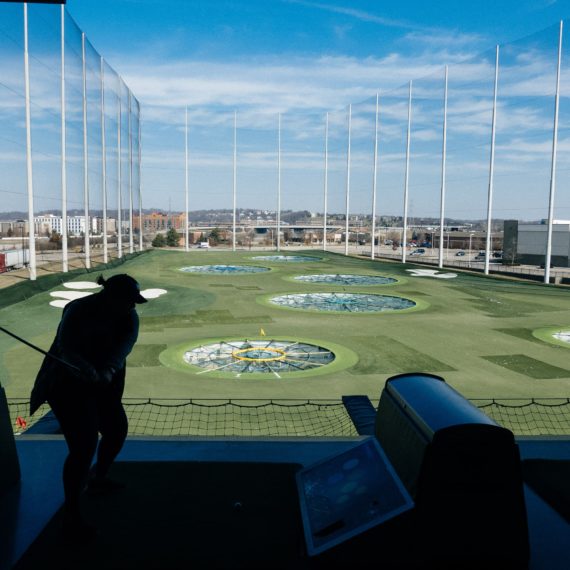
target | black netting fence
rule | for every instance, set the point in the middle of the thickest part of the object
(530, 417)
(320, 418)
(303, 418)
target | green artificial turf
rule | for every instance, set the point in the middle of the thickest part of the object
(529, 366)
(525, 334)
(389, 356)
(145, 355)
(500, 305)
(467, 319)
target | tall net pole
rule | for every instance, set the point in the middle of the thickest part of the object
(86, 243)
(375, 176)
(130, 149)
(553, 164)
(443, 167)
(347, 229)
(407, 176)
(187, 240)
(104, 165)
(64, 253)
(29, 169)
(491, 166)
(139, 166)
(234, 184)
(326, 184)
(278, 182)
(119, 173)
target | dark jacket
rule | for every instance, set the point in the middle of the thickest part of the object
(93, 335)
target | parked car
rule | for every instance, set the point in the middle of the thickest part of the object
(419, 251)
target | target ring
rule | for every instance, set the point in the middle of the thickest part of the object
(259, 354)
(259, 358)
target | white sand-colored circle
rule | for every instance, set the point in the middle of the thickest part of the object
(70, 295)
(153, 293)
(59, 304)
(65, 297)
(564, 336)
(81, 285)
(430, 273)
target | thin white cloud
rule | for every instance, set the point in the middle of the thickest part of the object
(268, 84)
(444, 39)
(360, 15)
(341, 31)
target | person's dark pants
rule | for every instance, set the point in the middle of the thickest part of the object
(84, 411)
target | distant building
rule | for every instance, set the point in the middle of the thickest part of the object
(179, 221)
(76, 225)
(97, 225)
(6, 228)
(47, 224)
(526, 243)
(16, 228)
(194, 237)
(51, 223)
(459, 239)
(159, 222)
(155, 222)
(42, 228)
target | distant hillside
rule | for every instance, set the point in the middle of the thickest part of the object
(287, 216)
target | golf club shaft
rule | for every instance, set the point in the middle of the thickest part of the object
(38, 349)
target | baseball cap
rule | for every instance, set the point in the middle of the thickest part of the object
(123, 286)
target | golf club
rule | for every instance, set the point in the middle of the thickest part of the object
(38, 349)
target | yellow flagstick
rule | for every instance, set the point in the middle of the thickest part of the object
(261, 332)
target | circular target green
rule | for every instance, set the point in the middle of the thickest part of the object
(259, 357)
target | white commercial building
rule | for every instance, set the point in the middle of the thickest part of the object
(48, 223)
(75, 224)
(529, 242)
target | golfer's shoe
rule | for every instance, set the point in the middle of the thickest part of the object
(104, 486)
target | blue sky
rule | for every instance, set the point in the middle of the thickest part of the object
(234, 29)
(303, 58)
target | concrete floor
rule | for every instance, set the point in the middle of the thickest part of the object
(28, 507)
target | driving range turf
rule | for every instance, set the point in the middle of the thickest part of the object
(475, 331)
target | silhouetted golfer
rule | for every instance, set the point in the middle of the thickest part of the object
(96, 333)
